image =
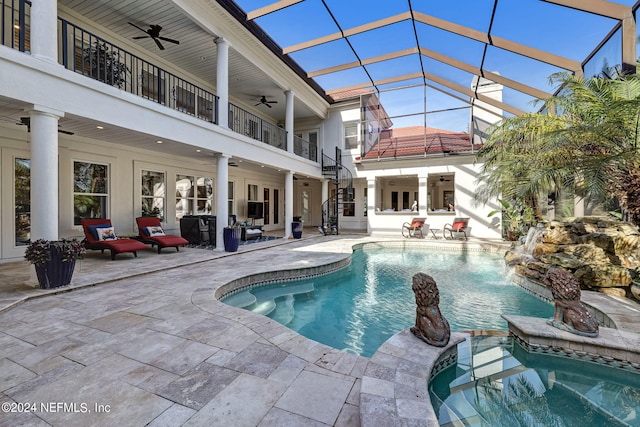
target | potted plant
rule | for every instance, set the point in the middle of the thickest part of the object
(102, 62)
(54, 261)
(231, 237)
(516, 218)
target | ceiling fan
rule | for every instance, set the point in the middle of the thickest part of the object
(153, 33)
(26, 121)
(442, 179)
(263, 101)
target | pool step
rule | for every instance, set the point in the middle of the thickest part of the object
(273, 292)
(241, 299)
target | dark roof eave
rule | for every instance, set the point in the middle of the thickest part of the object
(235, 11)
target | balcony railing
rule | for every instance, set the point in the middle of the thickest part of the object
(90, 55)
(306, 149)
(245, 123)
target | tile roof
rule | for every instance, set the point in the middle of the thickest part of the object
(418, 140)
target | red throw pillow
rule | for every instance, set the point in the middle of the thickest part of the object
(416, 224)
(458, 226)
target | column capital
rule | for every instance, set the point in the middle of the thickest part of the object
(41, 109)
(221, 40)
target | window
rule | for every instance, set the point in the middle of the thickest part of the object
(205, 109)
(276, 203)
(22, 201)
(365, 201)
(265, 192)
(153, 193)
(252, 192)
(90, 191)
(185, 100)
(350, 135)
(194, 196)
(348, 204)
(230, 198)
(153, 87)
(441, 192)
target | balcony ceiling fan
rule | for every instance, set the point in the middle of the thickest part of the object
(263, 101)
(442, 179)
(153, 33)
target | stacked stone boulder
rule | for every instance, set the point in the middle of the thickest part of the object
(603, 254)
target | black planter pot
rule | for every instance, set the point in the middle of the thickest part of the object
(55, 273)
(296, 229)
(231, 238)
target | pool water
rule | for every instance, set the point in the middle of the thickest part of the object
(358, 308)
(497, 383)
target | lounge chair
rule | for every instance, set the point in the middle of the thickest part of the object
(151, 232)
(100, 235)
(459, 226)
(416, 228)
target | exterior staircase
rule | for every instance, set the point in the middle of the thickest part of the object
(342, 180)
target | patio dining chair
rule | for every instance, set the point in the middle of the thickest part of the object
(460, 226)
(416, 228)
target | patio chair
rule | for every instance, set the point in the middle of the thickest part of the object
(99, 234)
(459, 226)
(416, 228)
(151, 232)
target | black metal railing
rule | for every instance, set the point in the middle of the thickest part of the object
(14, 18)
(306, 149)
(90, 55)
(342, 179)
(243, 122)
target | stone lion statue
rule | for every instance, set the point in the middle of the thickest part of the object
(431, 326)
(570, 314)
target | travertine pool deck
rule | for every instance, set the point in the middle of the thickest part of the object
(143, 341)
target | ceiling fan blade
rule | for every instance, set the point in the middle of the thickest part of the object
(257, 104)
(141, 29)
(140, 37)
(169, 40)
(158, 43)
(268, 105)
(272, 102)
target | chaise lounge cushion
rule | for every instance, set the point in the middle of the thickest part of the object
(151, 232)
(115, 246)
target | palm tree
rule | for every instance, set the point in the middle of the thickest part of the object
(589, 146)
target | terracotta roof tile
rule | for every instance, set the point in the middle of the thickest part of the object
(418, 140)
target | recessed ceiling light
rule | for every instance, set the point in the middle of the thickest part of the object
(239, 161)
(158, 142)
(99, 127)
(261, 166)
(198, 150)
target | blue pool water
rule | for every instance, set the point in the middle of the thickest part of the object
(358, 308)
(497, 383)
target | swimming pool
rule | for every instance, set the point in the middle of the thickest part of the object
(497, 383)
(358, 308)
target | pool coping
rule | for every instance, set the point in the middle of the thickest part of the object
(394, 387)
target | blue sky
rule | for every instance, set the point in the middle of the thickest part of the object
(534, 23)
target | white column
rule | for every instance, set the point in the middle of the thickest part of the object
(222, 81)
(44, 30)
(288, 204)
(288, 121)
(325, 191)
(222, 199)
(371, 202)
(423, 195)
(44, 173)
